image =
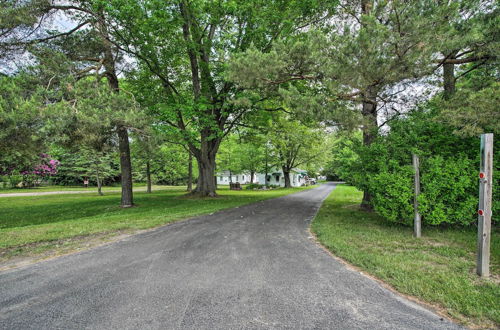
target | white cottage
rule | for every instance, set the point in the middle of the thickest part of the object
(276, 177)
(225, 178)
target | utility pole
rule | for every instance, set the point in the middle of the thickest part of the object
(485, 200)
(417, 222)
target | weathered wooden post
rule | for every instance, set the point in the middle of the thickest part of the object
(485, 200)
(417, 222)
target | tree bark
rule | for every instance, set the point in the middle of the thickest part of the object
(126, 167)
(366, 6)
(206, 186)
(148, 176)
(286, 174)
(449, 80)
(99, 184)
(370, 131)
(190, 173)
(252, 175)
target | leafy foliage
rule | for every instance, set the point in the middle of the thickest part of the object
(473, 109)
(449, 166)
(22, 134)
(84, 164)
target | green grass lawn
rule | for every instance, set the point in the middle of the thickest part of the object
(438, 268)
(28, 221)
(79, 188)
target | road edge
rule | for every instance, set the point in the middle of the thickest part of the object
(434, 308)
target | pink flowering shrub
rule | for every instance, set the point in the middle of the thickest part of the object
(46, 167)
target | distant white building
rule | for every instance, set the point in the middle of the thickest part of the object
(277, 178)
(274, 177)
(243, 178)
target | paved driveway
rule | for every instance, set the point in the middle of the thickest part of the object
(252, 267)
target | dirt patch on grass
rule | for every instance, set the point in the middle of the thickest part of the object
(434, 243)
(356, 207)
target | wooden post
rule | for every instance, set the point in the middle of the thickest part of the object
(417, 222)
(485, 201)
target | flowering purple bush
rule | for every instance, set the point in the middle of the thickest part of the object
(46, 167)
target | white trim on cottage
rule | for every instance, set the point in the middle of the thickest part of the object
(277, 178)
(244, 178)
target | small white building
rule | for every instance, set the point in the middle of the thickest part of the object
(225, 178)
(277, 178)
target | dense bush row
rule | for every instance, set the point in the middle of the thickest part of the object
(449, 167)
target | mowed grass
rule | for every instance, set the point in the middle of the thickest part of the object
(35, 219)
(91, 189)
(439, 268)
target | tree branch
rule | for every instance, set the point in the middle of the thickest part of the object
(466, 60)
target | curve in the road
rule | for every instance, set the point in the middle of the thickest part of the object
(252, 267)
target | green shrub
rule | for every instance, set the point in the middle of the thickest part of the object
(14, 179)
(449, 170)
(393, 194)
(252, 186)
(449, 190)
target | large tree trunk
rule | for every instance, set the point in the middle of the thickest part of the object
(206, 186)
(286, 174)
(205, 156)
(190, 173)
(370, 131)
(148, 176)
(126, 167)
(252, 175)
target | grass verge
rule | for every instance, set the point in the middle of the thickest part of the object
(91, 189)
(34, 224)
(438, 269)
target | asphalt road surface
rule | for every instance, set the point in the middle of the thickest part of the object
(252, 267)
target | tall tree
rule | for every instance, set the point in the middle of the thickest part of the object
(22, 124)
(295, 145)
(89, 113)
(473, 108)
(368, 56)
(470, 39)
(87, 42)
(175, 40)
